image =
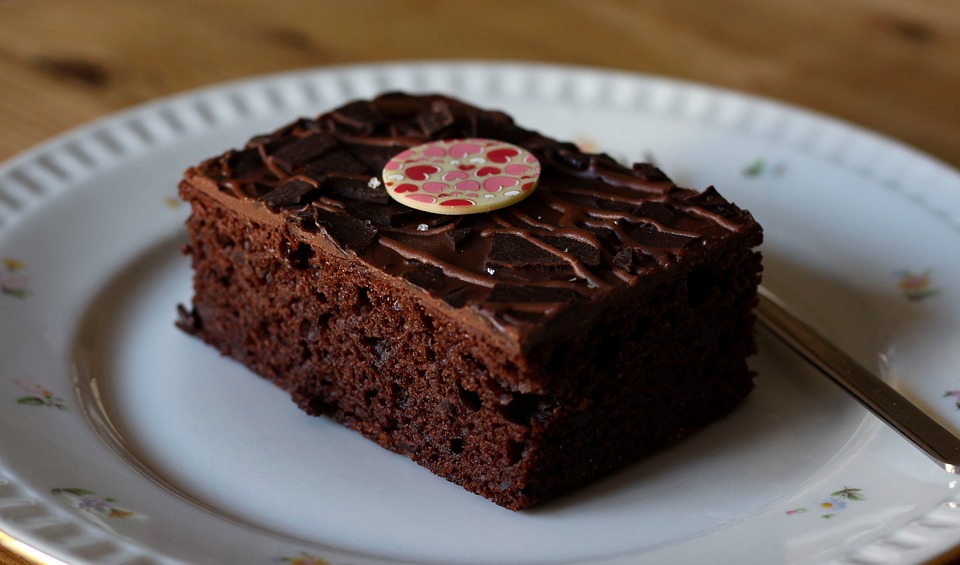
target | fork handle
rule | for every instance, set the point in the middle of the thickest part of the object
(884, 401)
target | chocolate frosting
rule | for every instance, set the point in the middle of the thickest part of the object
(592, 229)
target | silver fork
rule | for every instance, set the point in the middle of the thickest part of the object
(884, 401)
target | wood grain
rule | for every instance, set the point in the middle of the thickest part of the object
(888, 65)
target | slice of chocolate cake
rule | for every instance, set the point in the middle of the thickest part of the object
(519, 353)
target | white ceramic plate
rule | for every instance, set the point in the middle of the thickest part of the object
(123, 440)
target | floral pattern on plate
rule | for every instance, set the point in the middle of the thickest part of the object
(955, 395)
(172, 202)
(923, 496)
(303, 559)
(39, 395)
(761, 167)
(12, 281)
(829, 506)
(96, 507)
(916, 286)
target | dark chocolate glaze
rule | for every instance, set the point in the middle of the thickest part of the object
(593, 226)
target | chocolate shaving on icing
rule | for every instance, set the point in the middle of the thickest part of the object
(293, 194)
(384, 215)
(584, 252)
(457, 235)
(350, 232)
(245, 163)
(647, 234)
(524, 293)
(361, 116)
(457, 297)
(516, 251)
(437, 117)
(427, 277)
(354, 189)
(341, 162)
(650, 172)
(301, 151)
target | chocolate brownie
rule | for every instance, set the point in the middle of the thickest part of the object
(519, 353)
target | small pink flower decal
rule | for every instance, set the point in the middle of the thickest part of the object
(12, 281)
(95, 507)
(303, 559)
(760, 167)
(916, 286)
(955, 395)
(829, 506)
(38, 395)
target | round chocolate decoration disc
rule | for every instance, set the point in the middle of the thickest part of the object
(461, 176)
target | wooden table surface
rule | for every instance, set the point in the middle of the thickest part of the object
(892, 66)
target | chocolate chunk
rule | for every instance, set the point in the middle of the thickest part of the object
(352, 233)
(650, 172)
(427, 277)
(292, 194)
(457, 235)
(656, 212)
(614, 205)
(646, 234)
(652, 210)
(504, 292)
(625, 259)
(256, 141)
(635, 260)
(388, 214)
(303, 219)
(188, 320)
(301, 124)
(341, 162)
(436, 118)
(491, 124)
(606, 236)
(711, 200)
(585, 253)
(569, 155)
(510, 250)
(360, 116)
(373, 158)
(257, 189)
(395, 106)
(632, 258)
(458, 297)
(355, 189)
(245, 163)
(302, 151)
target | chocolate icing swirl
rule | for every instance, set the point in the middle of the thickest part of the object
(593, 226)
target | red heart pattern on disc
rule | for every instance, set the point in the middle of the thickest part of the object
(461, 176)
